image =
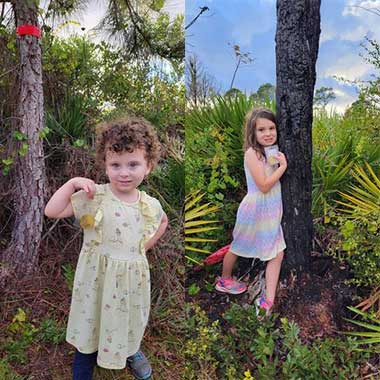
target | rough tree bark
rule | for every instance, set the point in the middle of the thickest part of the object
(297, 41)
(22, 252)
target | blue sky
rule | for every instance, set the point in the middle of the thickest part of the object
(252, 25)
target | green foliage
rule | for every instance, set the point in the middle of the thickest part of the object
(193, 289)
(69, 273)
(213, 143)
(51, 331)
(195, 222)
(70, 122)
(23, 335)
(167, 180)
(268, 349)
(266, 93)
(337, 147)
(360, 228)
(145, 34)
(199, 345)
(72, 66)
(323, 96)
(327, 359)
(6, 373)
(371, 324)
(151, 90)
(85, 81)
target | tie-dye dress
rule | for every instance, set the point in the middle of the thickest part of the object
(258, 232)
(111, 292)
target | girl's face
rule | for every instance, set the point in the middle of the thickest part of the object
(266, 132)
(126, 170)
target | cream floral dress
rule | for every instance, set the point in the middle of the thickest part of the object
(111, 293)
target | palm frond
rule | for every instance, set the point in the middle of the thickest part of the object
(364, 197)
(194, 222)
(372, 335)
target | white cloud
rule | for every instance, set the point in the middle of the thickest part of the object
(356, 34)
(342, 101)
(360, 8)
(367, 13)
(349, 67)
(174, 7)
(357, 22)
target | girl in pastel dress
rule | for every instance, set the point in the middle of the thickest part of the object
(257, 232)
(111, 293)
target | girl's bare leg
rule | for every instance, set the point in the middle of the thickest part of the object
(228, 264)
(272, 274)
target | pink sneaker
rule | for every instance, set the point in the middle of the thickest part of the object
(263, 304)
(230, 286)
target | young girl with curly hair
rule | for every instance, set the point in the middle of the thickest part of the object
(111, 293)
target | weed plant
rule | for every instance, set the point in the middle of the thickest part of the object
(239, 345)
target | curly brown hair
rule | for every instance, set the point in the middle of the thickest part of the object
(125, 135)
(251, 117)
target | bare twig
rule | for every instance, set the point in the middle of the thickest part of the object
(374, 11)
(202, 9)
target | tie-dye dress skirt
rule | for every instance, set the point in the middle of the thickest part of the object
(258, 232)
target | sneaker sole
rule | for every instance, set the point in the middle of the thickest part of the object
(228, 291)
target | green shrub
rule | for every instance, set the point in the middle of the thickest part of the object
(22, 336)
(337, 146)
(50, 331)
(244, 347)
(359, 226)
(323, 360)
(360, 247)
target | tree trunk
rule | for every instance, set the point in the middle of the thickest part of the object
(22, 252)
(297, 39)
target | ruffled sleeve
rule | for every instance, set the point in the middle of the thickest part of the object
(89, 212)
(152, 212)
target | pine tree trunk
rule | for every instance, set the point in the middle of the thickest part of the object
(22, 252)
(297, 40)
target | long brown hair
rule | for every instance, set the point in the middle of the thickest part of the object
(251, 117)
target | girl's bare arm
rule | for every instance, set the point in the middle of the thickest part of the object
(256, 168)
(59, 205)
(161, 229)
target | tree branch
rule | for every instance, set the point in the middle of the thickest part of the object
(203, 9)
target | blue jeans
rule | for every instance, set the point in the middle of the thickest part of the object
(83, 366)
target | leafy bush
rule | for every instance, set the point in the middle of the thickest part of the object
(266, 350)
(337, 147)
(51, 331)
(360, 228)
(23, 334)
